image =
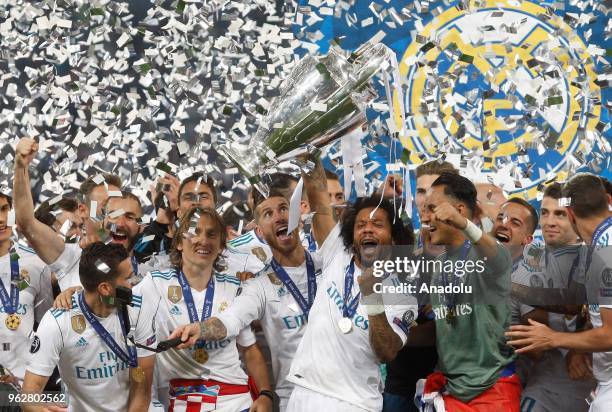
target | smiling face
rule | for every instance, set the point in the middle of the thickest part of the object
(5, 231)
(513, 228)
(371, 234)
(125, 228)
(556, 226)
(202, 248)
(272, 217)
(440, 233)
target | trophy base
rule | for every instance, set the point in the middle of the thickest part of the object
(240, 159)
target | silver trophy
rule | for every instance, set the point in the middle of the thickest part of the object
(321, 99)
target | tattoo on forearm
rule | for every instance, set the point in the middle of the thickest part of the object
(212, 329)
(384, 341)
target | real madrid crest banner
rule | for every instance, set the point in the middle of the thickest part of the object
(515, 91)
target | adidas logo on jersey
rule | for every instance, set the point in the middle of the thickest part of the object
(176, 311)
(81, 343)
(282, 292)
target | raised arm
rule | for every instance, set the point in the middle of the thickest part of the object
(315, 184)
(45, 242)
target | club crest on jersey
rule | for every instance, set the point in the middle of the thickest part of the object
(536, 282)
(78, 323)
(282, 291)
(260, 253)
(223, 306)
(274, 279)
(606, 278)
(35, 344)
(175, 294)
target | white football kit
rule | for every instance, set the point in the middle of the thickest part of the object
(163, 295)
(267, 299)
(548, 385)
(96, 379)
(342, 366)
(598, 285)
(34, 301)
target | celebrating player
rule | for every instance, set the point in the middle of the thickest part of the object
(209, 375)
(280, 296)
(25, 293)
(588, 207)
(121, 222)
(475, 365)
(101, 368)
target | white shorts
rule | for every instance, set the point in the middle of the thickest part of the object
(306, 400)
(603, 398)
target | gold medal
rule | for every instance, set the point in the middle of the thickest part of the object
(200, 355)
(12, 321)
(138, 374)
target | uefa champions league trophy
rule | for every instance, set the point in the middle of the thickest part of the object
(321, 99)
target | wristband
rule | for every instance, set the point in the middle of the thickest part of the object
(472, 232)
(374, 310)
(271, 395)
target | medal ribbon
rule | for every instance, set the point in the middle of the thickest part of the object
(11, 303)
(293, 289)
(349, 309)
(465, 249)
(208, 298)
(130, 357)
(599, 230)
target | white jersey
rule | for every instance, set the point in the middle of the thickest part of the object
(267, 299)
(599, 289)
(255, 251)
(66, 266)
(553, 268)
(96, 379)
(162, 294)
(34, 301)
(338, 365)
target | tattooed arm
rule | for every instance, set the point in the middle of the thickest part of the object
(210, 329)
(384, 341)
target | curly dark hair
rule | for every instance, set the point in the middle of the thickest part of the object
(176, 256)
(401, 233)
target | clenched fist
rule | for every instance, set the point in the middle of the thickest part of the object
(447, 213)
(25, 152)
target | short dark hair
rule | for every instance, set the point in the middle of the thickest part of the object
(533, 214)
(459, 188)
(176, 256)
(258, 198)
(99, 263)
(402, 234)
(235, 213)
(587, 193)
(554, 190)
(89, 185)
(329, 175)
(44, 212)
(435, 167)
(125, 194)
(200, 178)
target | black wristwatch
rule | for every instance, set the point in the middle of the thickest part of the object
(270, 394)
